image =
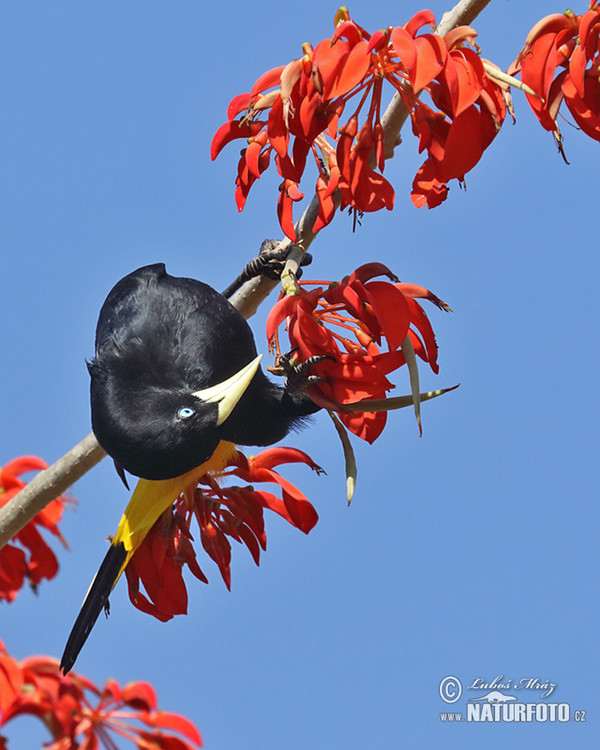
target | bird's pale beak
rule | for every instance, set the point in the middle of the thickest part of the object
(229, 392)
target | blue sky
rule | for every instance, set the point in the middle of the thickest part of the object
(472, 551)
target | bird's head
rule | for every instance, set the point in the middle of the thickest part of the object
(157, 431)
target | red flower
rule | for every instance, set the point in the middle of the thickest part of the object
(28, 557)
(310, 95)
(79, 715)
(569, 44)
(347, 322)
(222, 513)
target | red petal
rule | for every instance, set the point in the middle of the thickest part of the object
(42, 562)
(288, 193)
(392, 311)
(12, 573)
(431, 58)
(271, 457)
(367, 426)
(334, 178)
(326, 205)
(310, 336)
(252, 157)
(308, 116)
(349, 30)
(387, 362)
(368, 271)
(160, 576)
(414, 290)
(344, 146)
(427, 189)
(420, 19)
(348, 296)
(294, 192)
(272, 502)
(232, 130)
(404, 46)
(238, 104)
(24, 464)
(370, 190)
(139, 695)
(300, 151)
(577, 66)
(348, 75)
(586, 110)
(175, 722)
(217, 546)
(329, 59)
(11, 682)
(421, 322)
(267, 80)
(550, 25)
(464, 78)
(281, 310)
(537, 71)
(586, 24)
(249, 539)
(302, 513)
(458, 35)
(157, 742)
(463, 146)
(279, 135)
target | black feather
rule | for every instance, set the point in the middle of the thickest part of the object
(160, 339)
(95, 601)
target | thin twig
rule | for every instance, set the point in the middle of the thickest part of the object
(52, 482)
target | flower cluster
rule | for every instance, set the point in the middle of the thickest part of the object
(346, 323)
(221, 513)
(27, 557)
(80, 715)
(305, 108)
(561, 62)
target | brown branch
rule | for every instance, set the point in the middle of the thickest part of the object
(47, 485)
(52, 482)
(463, 13)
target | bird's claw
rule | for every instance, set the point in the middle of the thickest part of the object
(270, 262)
(297, 376)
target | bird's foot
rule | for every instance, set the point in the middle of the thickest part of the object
(270, 262)
(297, 375)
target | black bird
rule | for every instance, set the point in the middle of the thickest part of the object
(161, 395)
(176, 383)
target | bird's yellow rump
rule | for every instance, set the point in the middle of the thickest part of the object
(151, 498)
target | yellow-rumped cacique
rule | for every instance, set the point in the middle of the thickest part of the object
(176, 384)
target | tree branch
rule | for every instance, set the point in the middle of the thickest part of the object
(462, 14)
(47, 485)
(57, 478)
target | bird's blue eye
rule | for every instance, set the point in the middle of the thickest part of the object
(185, 412)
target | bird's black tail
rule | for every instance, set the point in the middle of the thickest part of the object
(94, 602)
